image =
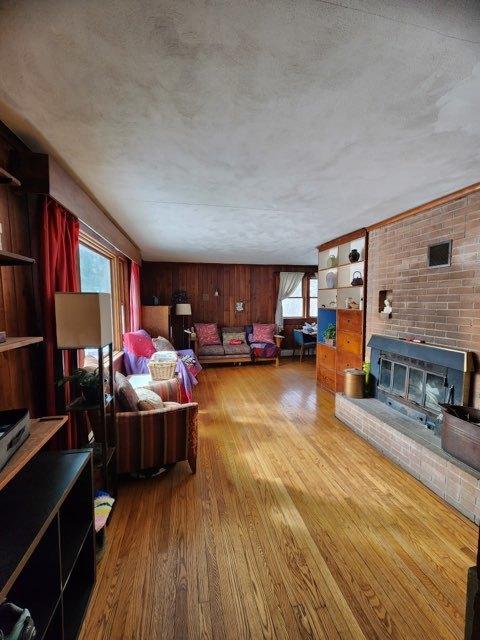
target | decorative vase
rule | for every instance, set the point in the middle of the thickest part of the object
(331, 279)
(354, 255)
(330, 342)
(331, 261)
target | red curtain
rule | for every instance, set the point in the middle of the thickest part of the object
(134, 296)
(58, 272)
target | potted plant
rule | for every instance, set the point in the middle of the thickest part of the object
(330, 334)
(89, 382)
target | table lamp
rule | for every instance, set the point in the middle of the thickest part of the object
(84, 320)
(183, 309)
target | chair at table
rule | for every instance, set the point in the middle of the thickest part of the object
(304, 342)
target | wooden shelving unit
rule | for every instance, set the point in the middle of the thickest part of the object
(8, 259)
(41, 431)
(348, 350)
(102, 419)
(19, 342)
(7, 178)
(48, 547)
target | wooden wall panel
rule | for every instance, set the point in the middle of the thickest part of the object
(20, 370)
(255, 285)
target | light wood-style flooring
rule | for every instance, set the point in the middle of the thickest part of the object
(293, 527)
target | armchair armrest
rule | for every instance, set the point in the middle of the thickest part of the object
(152, 439)
(278, 340)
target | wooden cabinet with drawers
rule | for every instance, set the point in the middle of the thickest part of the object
(326, 366)
(351, 342)
(342, 306)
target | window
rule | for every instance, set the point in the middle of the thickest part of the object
(293, 306)
(304, 300)
(95, 271)
(102, 271)
(313, 296)
(95, 276)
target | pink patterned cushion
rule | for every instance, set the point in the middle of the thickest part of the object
(207, 334)
(264, 333)
(139, 343)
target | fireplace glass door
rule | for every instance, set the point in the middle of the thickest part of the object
(415, 385)
(399, 379)
(385, 373)
(435, 389)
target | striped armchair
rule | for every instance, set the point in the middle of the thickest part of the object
(153, 439)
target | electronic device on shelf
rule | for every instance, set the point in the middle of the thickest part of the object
(14, 430)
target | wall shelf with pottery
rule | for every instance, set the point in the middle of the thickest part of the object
(341, 302)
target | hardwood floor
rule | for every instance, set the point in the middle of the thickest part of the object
(293, 527)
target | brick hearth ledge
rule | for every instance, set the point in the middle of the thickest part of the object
(414, 448)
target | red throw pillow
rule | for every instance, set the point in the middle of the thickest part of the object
(264, 333)
(207, 334)
(235, 341)
(139, 343)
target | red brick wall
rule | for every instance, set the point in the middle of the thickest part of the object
(440, 305)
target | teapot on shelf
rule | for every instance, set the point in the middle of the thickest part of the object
(357, 280)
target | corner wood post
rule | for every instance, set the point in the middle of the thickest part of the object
(278, 342)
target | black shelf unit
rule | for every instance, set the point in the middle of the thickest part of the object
(102, 418)
(48, 548)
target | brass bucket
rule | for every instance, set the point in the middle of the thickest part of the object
(354, 383)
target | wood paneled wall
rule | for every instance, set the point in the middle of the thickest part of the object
(255, 285)
(20, 370)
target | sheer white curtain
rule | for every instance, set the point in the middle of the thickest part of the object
(289, 281)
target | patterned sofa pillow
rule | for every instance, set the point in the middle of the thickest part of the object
(126, 395)
(162, 344)
(264, 333)
(207, 334)
(148, 399)
(228, 335)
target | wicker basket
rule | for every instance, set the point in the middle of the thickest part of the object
(162, 370)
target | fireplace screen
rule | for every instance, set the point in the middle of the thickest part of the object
(416, 385)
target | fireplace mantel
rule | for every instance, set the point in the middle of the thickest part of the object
(443, 356)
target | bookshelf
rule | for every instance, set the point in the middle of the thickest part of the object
(342, 269)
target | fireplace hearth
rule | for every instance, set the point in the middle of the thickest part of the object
(416, 378)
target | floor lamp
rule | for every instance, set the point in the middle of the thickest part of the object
(183, 309)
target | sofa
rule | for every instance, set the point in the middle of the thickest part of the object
(259, 342)
(153, 432)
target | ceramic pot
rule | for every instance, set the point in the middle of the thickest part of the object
(331, 279)
(354, 255)
(331, 261)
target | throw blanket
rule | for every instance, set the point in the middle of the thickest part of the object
(186, 371)
(264, 349)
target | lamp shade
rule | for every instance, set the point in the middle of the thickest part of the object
(183, 309)
(83, 320)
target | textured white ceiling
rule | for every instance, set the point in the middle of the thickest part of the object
(248, 131)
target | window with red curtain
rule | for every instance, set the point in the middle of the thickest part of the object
(59, 239)
(134, 296)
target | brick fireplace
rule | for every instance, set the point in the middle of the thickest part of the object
(441, 306)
